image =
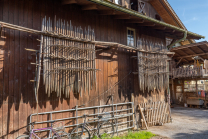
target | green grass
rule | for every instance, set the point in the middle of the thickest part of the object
(130, 135)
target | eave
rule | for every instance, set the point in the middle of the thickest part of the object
(137, 15)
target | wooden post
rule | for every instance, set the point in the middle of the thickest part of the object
(196, 88)
(184, 96)
(143, 116)
(133, 111)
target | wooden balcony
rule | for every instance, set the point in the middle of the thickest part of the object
(189, 72)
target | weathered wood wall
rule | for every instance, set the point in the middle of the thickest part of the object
(17, 100)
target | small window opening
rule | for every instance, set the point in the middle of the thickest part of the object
(130, 37)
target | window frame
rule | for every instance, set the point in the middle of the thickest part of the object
(131, 29)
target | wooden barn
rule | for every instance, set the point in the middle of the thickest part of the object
(57, 54)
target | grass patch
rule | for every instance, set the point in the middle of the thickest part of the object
(130, 135)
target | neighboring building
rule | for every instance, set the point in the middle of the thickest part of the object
(189, 74)
(142, 29)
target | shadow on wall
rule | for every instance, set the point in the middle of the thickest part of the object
(17, 97)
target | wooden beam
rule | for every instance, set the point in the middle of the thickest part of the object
(181, 57)
(193, 37)
(190, 45)
(69, 1)
(90, 7)
(147, 24)
(170, 30)
(160, 28)
(179, 34)
(122, 17)
(201, 49)
(193, 55)
(171, 36)
(107, 12)
(143, 117)
(192, 50)
(135, 21)
(179, 62)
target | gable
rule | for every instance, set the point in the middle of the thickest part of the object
(167, 13)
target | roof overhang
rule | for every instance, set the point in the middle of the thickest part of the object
(133, 17)
(185, 53)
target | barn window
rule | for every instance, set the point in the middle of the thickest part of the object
(131, 37)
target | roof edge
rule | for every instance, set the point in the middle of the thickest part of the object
(135, 13)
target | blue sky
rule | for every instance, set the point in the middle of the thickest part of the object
(193, 14)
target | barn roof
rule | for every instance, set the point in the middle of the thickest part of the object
(169, 16)
(185, 53)
(167, 13)
(129, 14)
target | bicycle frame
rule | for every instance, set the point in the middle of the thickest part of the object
(89, 127)
(32, 132)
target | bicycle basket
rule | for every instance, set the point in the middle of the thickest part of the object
(58, 125)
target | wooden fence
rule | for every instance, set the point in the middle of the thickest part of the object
(154, 113)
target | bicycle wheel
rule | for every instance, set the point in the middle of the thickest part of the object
(62, 135)
(78, 134)
(23, 137)
(106, 129)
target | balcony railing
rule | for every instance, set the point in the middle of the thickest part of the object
(189, 72)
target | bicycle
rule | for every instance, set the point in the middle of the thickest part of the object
(83, 130)
(57, 133)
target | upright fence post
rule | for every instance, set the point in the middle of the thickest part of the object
(116, 121)
(132, 106)
(76, 118)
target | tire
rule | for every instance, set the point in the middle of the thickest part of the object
(61, 134)
(85, 135)
(106, 128)
(23, 137)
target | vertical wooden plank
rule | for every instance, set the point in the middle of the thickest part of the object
(151, 113)
(23, 70)
(143, 116)
(108, 54)
(99, 56)
(30, 58)
(43, 99)
(161, 111)
(105, 60)
(11, 72)
(1, 70)
(156, 116)
(155, 110)
(17, 72)
(6, 71)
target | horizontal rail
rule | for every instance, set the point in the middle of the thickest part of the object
(86, 108)
(128, 113)
(62, 36)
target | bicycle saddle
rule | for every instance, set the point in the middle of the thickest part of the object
(32, 123)
(85, 115)
(100, 117)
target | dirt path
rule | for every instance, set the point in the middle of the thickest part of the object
(188, 123)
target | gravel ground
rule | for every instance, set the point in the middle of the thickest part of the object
(188, 123)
